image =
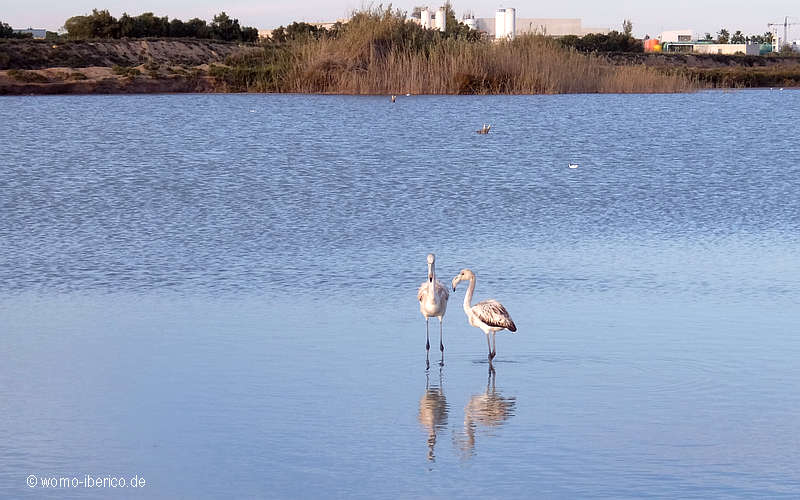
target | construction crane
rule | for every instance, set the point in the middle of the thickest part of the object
(773, 27)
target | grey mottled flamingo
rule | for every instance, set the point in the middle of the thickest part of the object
(488, 315)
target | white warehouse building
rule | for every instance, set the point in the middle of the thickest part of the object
(505, 25)
(437, 20)
(513, 26)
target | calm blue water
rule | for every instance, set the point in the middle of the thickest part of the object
(217, 294)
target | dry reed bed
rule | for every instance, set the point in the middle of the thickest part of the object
(381, 53)
(526, 66)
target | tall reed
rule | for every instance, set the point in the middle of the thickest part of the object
(382, 53)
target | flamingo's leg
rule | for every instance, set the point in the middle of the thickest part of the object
(441, 344)
(427, 336)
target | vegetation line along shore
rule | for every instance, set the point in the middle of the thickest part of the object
(377, 51)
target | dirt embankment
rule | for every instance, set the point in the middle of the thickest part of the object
(111, 66)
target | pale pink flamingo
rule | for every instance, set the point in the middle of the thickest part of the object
(432, 296)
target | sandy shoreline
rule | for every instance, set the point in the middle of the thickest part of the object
(102, 80)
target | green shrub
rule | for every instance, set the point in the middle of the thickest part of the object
(27, 76)
(598, 42)
(125, 71)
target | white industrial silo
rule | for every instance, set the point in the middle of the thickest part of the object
(511, 24)
(441, 19)
(500, 24)
(425, 18)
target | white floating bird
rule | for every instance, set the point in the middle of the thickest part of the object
(489, 315)
(432, 296)
(393, 98)
(573, 165)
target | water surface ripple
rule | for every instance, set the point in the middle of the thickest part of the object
(218, 293)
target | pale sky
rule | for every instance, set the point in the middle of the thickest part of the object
(649, 17)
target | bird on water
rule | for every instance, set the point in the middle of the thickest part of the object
(484, 129)
(432, 296)
(489, 315)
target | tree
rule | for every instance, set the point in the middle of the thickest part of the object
(708, 37)
(148, 24)
(6, 31)
(249, 34)
(296, 31)
(197, 28)
(598, 42)
(177, 29)
(78, 27)
(104, 25)
(225, 28)
(101, 24)
(98, 24)
(127, 26)
(738, 37)
(454, 28)
(627, 27)
(303, 31)
(723, 36)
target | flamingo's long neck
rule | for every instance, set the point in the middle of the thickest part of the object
(468, 296)
(432, 297)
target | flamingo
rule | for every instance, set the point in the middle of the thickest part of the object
(489, 315)
(485, 129)
(432, 296)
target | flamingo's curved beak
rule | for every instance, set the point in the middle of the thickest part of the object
(455, 282)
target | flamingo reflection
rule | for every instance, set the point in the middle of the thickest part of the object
(433, 411)
(489, 410)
